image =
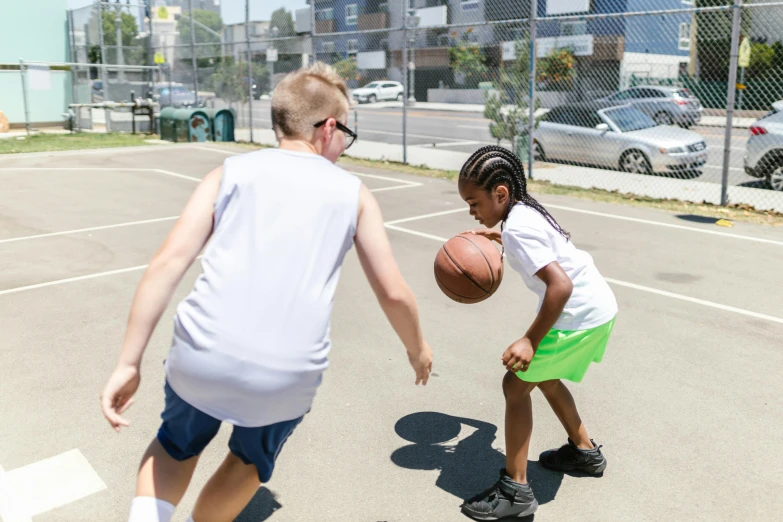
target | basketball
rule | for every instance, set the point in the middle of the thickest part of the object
(468, 268)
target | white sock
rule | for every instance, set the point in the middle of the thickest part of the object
(150, 509)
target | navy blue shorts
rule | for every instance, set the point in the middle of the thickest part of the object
(186, 431)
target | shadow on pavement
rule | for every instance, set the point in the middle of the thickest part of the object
(260, 508)
(698, 219)
(467, 465)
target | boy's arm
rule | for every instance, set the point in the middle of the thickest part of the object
(394, 295)
(177, 253)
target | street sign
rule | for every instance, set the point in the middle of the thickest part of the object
(744, 53)
(159, 58)
(271, 55)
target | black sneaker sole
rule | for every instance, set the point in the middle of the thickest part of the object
(529, 510)
(594, 471)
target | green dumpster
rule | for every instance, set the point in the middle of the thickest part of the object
(191, 125)
(222, 121)
(167, 126)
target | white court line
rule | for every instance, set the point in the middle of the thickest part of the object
(72, 280)
(91, 229)
(104, 169)
(667, 225)
(454, 144)
(647, 289)
(426, 216)
(482, 127)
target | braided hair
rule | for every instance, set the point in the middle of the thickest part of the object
(492, 166)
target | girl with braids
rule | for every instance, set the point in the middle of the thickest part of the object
(575, 317)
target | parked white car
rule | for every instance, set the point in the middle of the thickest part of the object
(764, 153)
(618, 137)
(378, 91)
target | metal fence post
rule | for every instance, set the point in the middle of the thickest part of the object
(313, 52)
(249, 68)
(731, 91)
(406, 91)
(531, 124)
(23, 74)
(193, 51)
(104, 70)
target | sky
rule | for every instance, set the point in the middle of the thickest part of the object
(233, 11)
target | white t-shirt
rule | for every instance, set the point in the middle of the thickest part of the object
(531, 243)
(251, 339)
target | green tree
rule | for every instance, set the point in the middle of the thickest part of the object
(713, 38)
(469, 59)
(284, 22)
(229, 81)
(134, 48)
(347, 69)
(762, 58)
(556, 69)
(202, 16)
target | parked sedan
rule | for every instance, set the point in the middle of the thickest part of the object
(665, 105)
(377, 91)
(617, 137)
(177, 96)
(764, 153)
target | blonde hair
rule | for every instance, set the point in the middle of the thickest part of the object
(305, 97)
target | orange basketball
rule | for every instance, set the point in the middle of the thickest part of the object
(468, 268)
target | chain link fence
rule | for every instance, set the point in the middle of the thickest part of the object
(660, 98)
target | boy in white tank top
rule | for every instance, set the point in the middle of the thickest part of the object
(251, 339)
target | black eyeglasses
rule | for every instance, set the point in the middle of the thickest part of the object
(349, 134)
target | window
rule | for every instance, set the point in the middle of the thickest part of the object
(684, 40)
(353, 46)
(325, 14)
(470, 5)
(573, 28)
(327, 47)
(385, 44)
(351, 14)
(651, 93)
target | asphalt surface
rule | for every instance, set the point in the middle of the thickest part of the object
(686, 402)
(465, 132)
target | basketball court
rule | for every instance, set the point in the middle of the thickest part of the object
(686, 403)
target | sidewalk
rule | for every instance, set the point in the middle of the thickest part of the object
(706, 121)
(694, 191)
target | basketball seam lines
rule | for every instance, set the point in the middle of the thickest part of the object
(452, 291)
(489, 265)
(463, 270)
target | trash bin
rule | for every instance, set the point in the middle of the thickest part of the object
(222, 121)
(191, 125)
(167, 124)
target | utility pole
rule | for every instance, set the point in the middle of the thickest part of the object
(118, 32)
(193, 51)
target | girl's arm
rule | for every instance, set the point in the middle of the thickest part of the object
(558, 290)
(183, 244)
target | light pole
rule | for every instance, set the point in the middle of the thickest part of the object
(193, 52)
(118, 31)
(412, 23)
(271, 63)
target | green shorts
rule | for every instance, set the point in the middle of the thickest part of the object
(566, 354)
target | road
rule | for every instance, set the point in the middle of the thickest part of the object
(465, 132)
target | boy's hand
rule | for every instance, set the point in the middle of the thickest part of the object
(489, 233)
(118, 394)
(421, 363)
(517, 357)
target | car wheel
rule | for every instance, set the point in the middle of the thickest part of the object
(635, 162)
(372, 98)
(663, 118)
(775, 178)
(399, 97)
(538, 151)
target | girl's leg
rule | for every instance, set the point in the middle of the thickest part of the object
(519, 425)
(562, 403)
(227, 492)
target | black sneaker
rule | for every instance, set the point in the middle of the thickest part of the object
(506, 499)
(571, 458)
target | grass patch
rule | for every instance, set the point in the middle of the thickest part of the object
(81, 140)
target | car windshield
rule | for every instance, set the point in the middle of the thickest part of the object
(628, 119)
(372, 85)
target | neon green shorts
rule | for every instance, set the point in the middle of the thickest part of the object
(566, 354)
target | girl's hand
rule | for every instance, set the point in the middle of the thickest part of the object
(118, 394)
(489, 233)
(421, 362)
(517, 357)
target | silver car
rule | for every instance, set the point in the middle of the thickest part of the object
(665, 105)
(764, 153)
(618, 137)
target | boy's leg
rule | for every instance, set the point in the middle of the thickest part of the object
(519, 425)
(227, 492)
(562, 403)
(162, 477)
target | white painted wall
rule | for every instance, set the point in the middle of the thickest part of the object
(649, 65)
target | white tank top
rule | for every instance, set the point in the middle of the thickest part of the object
(251, 339)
